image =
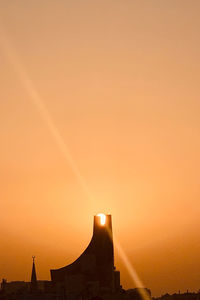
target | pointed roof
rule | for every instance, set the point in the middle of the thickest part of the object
(33, 276)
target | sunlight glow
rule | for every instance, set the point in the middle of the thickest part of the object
(102, 219)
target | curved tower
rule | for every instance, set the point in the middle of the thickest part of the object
(95, 266)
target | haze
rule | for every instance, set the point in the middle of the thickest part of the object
(120, 80)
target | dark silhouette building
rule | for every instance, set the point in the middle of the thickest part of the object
(92, 276)
(93, 272)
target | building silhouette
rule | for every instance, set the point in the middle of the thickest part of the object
(91, 276)
(93, 272)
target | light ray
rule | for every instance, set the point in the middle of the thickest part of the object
(12, 56)
(131, 270)
(27, 83)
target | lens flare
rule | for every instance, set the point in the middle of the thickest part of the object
(36, 99)
(38, 102)
(102, 219)
(131, 270)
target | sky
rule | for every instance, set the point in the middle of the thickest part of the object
(99, 112)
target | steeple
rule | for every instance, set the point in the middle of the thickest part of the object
(33, 276)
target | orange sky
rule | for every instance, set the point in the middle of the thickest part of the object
(120, 80)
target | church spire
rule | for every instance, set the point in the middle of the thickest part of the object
(33, 276)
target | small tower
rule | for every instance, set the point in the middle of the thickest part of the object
(33, 277)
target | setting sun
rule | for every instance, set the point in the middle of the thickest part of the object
(102, 218)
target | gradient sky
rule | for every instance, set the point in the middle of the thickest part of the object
(121, 81)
